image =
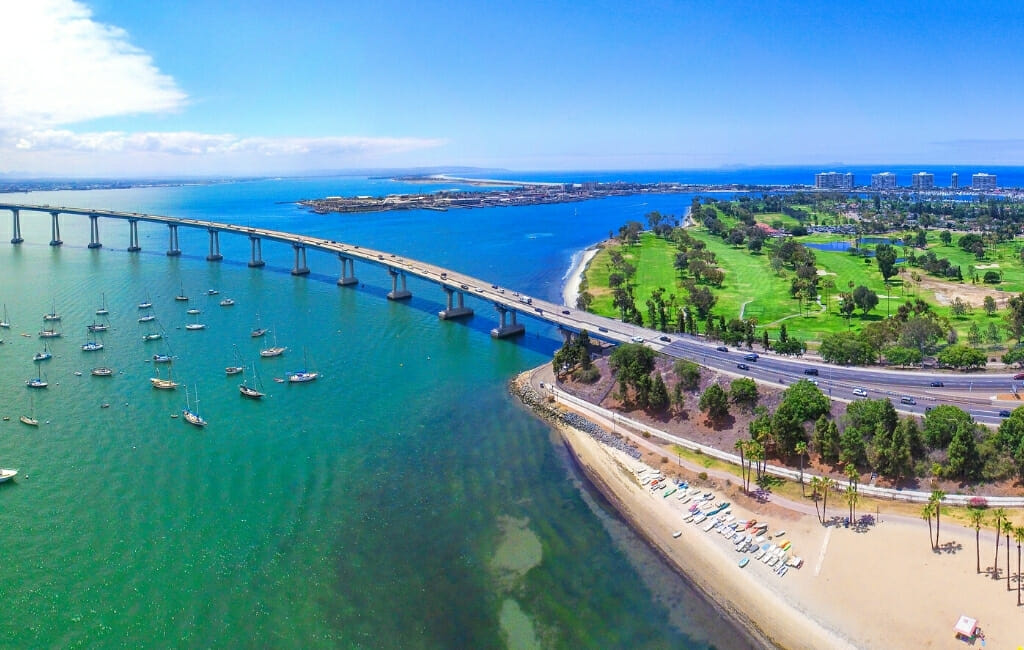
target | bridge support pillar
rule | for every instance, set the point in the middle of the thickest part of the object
(214, 255)
(396, 293)
(256, 259)
(55, 229)
(348, 271)
(567, 335)
(172, 245)
(16, 234)
(133, 236)
(460, 311)
(506, 329)
(94, 232)
(300, 267)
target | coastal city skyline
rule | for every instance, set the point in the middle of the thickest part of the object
(112, 88)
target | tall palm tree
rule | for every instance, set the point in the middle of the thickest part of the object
(1018, 535)
(801, 450)
(826, 486)
(937, 497)
(977, 519)
(815, 491)
(1007, 530)
(1000, 516)
(741, 446)
(927, 512)
(852, 474)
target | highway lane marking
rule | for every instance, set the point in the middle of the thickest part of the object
(821, 556)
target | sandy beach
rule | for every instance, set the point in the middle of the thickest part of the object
(571, 287)
(879, 586)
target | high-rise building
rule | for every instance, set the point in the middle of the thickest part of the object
(954, 181)
(983, 181)
(833, 181)
(883, 181)
(922, 181)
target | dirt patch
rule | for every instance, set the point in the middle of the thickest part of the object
(972, 294)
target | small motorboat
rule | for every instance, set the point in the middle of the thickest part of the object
(234, 370)
(192, 312)
(227, 302)
(32, 422)
(7, 474)
(146, 319)
(151, 337)
(92, 346)
(102, 371)
(195, 326)
(162, 358)
(212, 292)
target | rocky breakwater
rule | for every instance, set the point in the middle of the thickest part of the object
(544, 407)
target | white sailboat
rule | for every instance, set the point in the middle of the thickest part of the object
(192, 417)
(181, 297)
(5, 323)
(161, 383)
(45, 355)
(196, 325)
(39, 381)
(304, 375)
(103, 311)
(273, 351)
(53, 315)
(7, 474)
(30, 419)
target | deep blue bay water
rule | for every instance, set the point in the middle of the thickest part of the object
(404, 500)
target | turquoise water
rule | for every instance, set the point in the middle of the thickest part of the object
(404, 500)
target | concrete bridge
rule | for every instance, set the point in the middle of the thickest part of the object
(508, 304)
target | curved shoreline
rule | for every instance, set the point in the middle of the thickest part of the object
(574, 276)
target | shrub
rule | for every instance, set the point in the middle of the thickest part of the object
(703, 476)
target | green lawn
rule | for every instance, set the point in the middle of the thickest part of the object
(750, 280)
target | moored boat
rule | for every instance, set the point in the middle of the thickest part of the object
(233, 370)
(37, 382)
(212, 292)
(152, 337)
(192, 312)
(195, 326)
(163, 384)
(227, 302)
(102, 371)
(192, 417)
(258, 331)
(97, 327)
(103, 311)
(146, 319)
(92, 346)
(181, 297)
(5, 323)
(45, 355)
(162, 358)
(7, 474)
(30, 421)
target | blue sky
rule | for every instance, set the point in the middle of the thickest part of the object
(114, 87)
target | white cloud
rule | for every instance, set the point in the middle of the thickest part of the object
(187, 143)
(59, 66)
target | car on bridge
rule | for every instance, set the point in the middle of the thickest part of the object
(665, 339)
(860, 392)
(565, 311)
(810, 371)
(936, 384)
(751, 357)
(742, 366)
(1004, 413)
(722, 348)
(637, 339)
(1019, 375)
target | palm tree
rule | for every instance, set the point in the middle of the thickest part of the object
(977, 519)
(1000, 517)
(815, 491)
(1007, 530)
(741, 446)
(927, 512)
(937, 497)
(801, 449)
(1018, 535)
(852, 474)
(826, 486)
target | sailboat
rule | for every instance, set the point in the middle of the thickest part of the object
(146, 304)
(103, 311)
(161, 383)
(273, 351)
(258, 331)
(30, 419)
(50, 333)
(252, 392)
(38, 381)
(97, 327)
(196, 325)
(234, 370)
(192, 417)
(302, 376)
(53, 315)
(181, 297)
(92, 346)
(5, 323)
(44, 355)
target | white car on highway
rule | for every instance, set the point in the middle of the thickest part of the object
(860, 392)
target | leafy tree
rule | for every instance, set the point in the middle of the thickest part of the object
(632, 363)
(942, 422)
(992, 335)
(958, 307)
(1014, 357)
(885, 256)
(865, 298)
(974, 334)
(919, 332)
(658, 399)
(963, 461)
(743, 391)
(852, 449)
(714, 401)
(946, 237)
(900, 356)
(688, 374)
(805, 400)
(787, 427)
(992, 277)
(962, 357)
(989, 305)
(846, 349)
(899, 458)
(1015, 316)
